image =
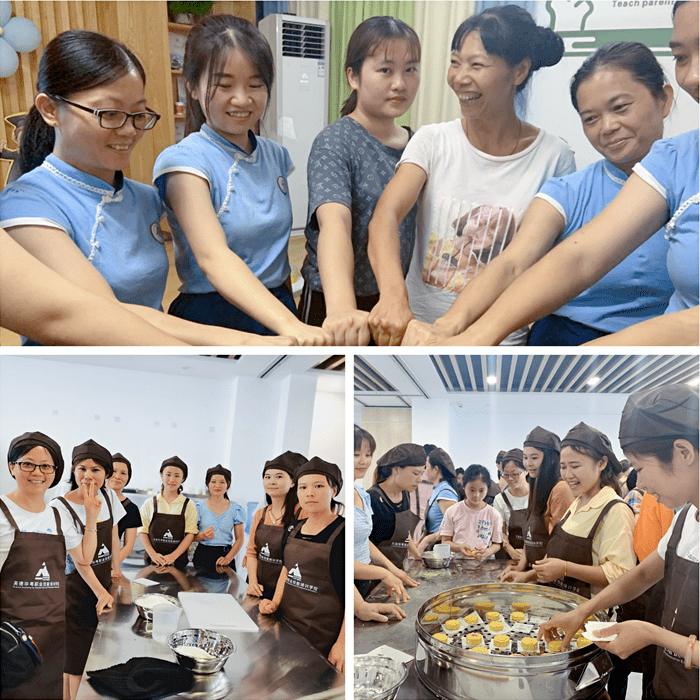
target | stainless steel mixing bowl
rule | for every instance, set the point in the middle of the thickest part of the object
(377, 677)
(218, 645)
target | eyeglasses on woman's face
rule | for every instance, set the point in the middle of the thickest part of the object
(116, 118)
(31, 467)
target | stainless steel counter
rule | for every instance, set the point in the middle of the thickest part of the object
(275, 663)
(401, 635)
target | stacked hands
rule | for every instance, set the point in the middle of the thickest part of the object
(546, 570)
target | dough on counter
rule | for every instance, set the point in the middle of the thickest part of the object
(474, 639)
(430, 617)
(472, 619)
(492, 615)
(501, 641)
(452, 624)
(521, 605)
(496, 626)
(441, 637)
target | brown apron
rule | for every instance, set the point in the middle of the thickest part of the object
(167, 531)
(310, 604)
(396, 548)
(268, 544)
(535, 538)
(575, 549)
(680, 615)
(33, 596)
(81, 613)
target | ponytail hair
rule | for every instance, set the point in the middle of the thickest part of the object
(73, 61)
(366, 39)
(510, 32)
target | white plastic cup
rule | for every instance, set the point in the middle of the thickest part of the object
(165, 620)
(442, 550)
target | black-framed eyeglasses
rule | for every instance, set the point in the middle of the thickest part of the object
(30, 467)
(511, 475)
(116, 118)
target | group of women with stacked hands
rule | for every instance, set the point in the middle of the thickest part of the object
(562, 521)
(57, 561)
(462, 233)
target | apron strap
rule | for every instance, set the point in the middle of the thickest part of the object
(109, 503)
(339, 528)
(155, 505)
(677, 530)
(73, 513)
(603, 513)
(505, 498)
(58, 521)
(8, 515)
(125, 503)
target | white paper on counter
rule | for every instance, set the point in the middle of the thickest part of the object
(145, 581)
(391, 653)
(595, 627)
(215, 611)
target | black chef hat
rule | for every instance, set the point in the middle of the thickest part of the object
(174, 462)
(316, 465)
(119, 457)
(142, 677)
(514, 455)
(542, 439)
(583, 435)
(93, 450)
(26, 441)
(439, 456)
(408, 454)
(660, 414)
(288, 462)
(218, 469)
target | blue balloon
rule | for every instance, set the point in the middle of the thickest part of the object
(9, 61)
(22, 34)
(5, 12)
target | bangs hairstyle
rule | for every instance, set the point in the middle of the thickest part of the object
(361, 435)
(631, 56)
(206, 53)
(369, 37)
(475, 472)
(608, 477)
(73, 61)
(510, 32)
(662, 449)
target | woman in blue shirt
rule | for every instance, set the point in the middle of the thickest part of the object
(662, 191)
(440, 470)
(220, 524)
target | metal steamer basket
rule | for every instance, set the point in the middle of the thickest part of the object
(453, 672)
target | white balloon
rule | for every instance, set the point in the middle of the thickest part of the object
(22, 34)
(9, 61)
(5, 11)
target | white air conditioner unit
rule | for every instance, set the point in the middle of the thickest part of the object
(298, 109)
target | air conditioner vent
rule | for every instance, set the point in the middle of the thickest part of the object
(303, 40)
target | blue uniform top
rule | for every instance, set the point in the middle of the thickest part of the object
(671, 168)
(250, 196)
(363, 527)
(637, 289)
(433, 514)
(115, 227)
(222, 524)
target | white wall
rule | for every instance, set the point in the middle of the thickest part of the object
(239, 423)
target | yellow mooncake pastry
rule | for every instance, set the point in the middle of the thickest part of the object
(554, 645)
(517, 616)
(483, 605)
(521, 605)
(446, 609)
(496, 626)
(501, 641)
(472, 619)
(583, 642)
(578, 633)
(481, 650)
(474, 639)
(529, 643)
(452, 624)
(440, 636)
(430, 617)
(591, 618)
(492, 615)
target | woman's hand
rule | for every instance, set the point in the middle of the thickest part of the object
(207, 534)
(421, 333)
(93, 502)
(388, 321)
(306, 335)
(631, 636)
(222, 561)
(378, 612)
(349, 327)
(169, 559)
(511, 575)
(116, 572)
(548, 570)
(267, 607)
(570, 622)
(515, 554)
(104, 602)
(394, 586)
(406, 579)
(337, 654)
(254, 589)
(480, 553)
(159, 559)
(467, 551)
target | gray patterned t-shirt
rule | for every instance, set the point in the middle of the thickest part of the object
(349, 166)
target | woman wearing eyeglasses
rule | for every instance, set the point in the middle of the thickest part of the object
(513, 505)
(72, 208)
(34, 538)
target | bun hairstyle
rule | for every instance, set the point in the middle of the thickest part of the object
(510, 32)
(631, 56)
(73, 61)
(206, 52)
(369, 36)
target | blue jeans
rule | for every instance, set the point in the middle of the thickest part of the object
(214, 310)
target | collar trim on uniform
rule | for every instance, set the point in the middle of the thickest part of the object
(118, 180)
(611, 175)
(238, 152)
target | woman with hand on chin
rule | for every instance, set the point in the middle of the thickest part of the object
(169, 519)
(33, 541)
(659, 436)
(311, 588)
(221, 523)
(87, 590)
(121, 476)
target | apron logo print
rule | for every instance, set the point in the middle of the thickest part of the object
(104, 552)
(294, 579)
(168, 534)
(265, 550)
(43, 573)
(295, 572)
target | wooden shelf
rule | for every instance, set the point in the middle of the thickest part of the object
(179, 28)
